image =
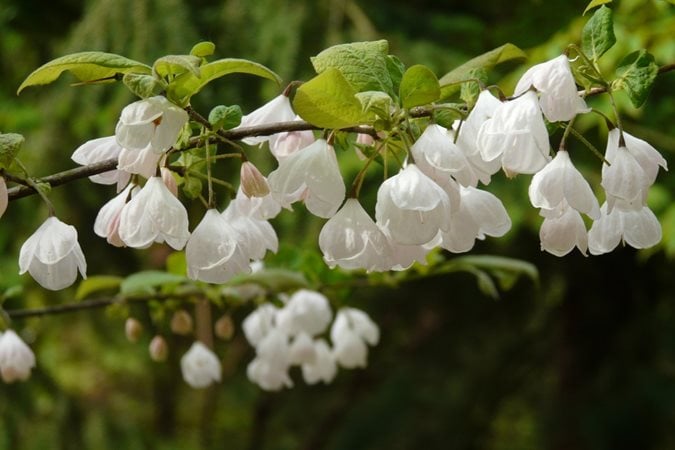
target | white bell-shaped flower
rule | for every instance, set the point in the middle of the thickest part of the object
(99, 150)
(438, 156)
(200, 366)
(260, 322)
(52, 255)
(323, 368)
(270, 367)
(302, 350)
(154, 215)
(637, 227)
(562, 230)
(16, 358)
(276, 110)
(516, 133)
(559, 181)
(143, 162)
(268, 376)
(411, 207)
(254, 236)
(305, 311)
(404, 256)
(351, 239)
(154, 122)
(312, 174)
(107, 221)
(284, 144)
(484, 109)
(261, 208)
(351, 331)
(212, 252)
(558, 95)
(480, 214)
(4, 196)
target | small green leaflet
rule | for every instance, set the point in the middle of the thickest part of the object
(365, 65)
(10, 144)
(376, 102)
(328, 101)
(96, 284)
(419, 86)
(145, 282)
(176, 65)
(142, 85)
(186, 85)
(225, 117)
(595, 3)
(598, 34)
(203, 49)
(450, 81)
(86, 66)
(636, 74)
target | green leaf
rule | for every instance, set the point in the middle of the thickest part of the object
(203, 49)
(192, 187)
(177, 65)
(598, 34)
(376, 102)
(637, 73)
(471, 89)
(396, 69)
(96, 284)
(147, 281)
(225, 117)
(328, 101)
(142, 85)
(275, 280)
(365, 65)
(86, 66)
(501, 265)
(187, 84)
(595, 3)
(419, 86)
(176, 263)
(450, 82)
(447, 116)
(10, 144)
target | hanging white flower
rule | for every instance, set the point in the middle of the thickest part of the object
(52, 255)
(259, 323)
(99, 150)
(154, 122)
(484, 109)
(142, 162)
(284, 144)
(351, 239)
(439, 157)
(635, 226)
(276, 110)
(254, 236)
(154, 215)
(312, 174)
(269, 369)
(200, 366)
(558, 95)
(516, 133)
(351, 331)
(562, 230)
(212, 253)
(323, 368)
(305, 311)
(302, 350)
(107, 220)
(16, 358)
(411, 207)
(559, 181)
(261, 208)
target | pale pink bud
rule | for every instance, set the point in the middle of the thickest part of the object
(181, 322)
(253, 183)
(169, 181)
(16, 358)
(133, 329)
(159, 350)
(224, 327)
(4, 198)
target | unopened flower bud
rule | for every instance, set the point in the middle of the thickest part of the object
(253, 183)
(133, 329)
(169, 181)
(181, 322)
(159, 350)
(224, 327)
(16, 358)
(4, 196)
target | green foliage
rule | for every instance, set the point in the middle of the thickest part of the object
(148, 281)
(595, 3)
(274, 280)
(450, 82)
(142, 85)
(225, 117)
(97, 284)
(173, 65)
(86, 67)
(471, 90)
(375, 102)
(419, 86)
(10, 144)
(203, 49)
(328, 101)
(365, 65)
(598, 34)
(636, 74)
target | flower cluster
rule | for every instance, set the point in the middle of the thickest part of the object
(291, 336)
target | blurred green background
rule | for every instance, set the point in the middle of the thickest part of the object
(583, 359)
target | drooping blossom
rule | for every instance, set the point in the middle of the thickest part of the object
(563, 229)
(107, 220)
(52, 255)
(516, 132)
(286, 143)
(351, 239)
(154, 122)
(351, 331)
(278, 109)
(558, 95)
(269, 369)
(154, 215)
(411, 207)
(16, 358)
(559, 181)
(323, 368)
(439, 157)
(255, 237)
(259, 322)
(305, 311)
(484, 109)
(636, 226)
(200, 366)
(313, 175)
(253, 183)
(302, 349)
(143, 162)
(98, 150)
(262, 208)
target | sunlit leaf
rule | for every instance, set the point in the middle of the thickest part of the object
(203, 49)
(85, 66)
(147, 281)
(419, 86)
(142, 85)
(177, 65)
(598, 34)
(96, 284)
